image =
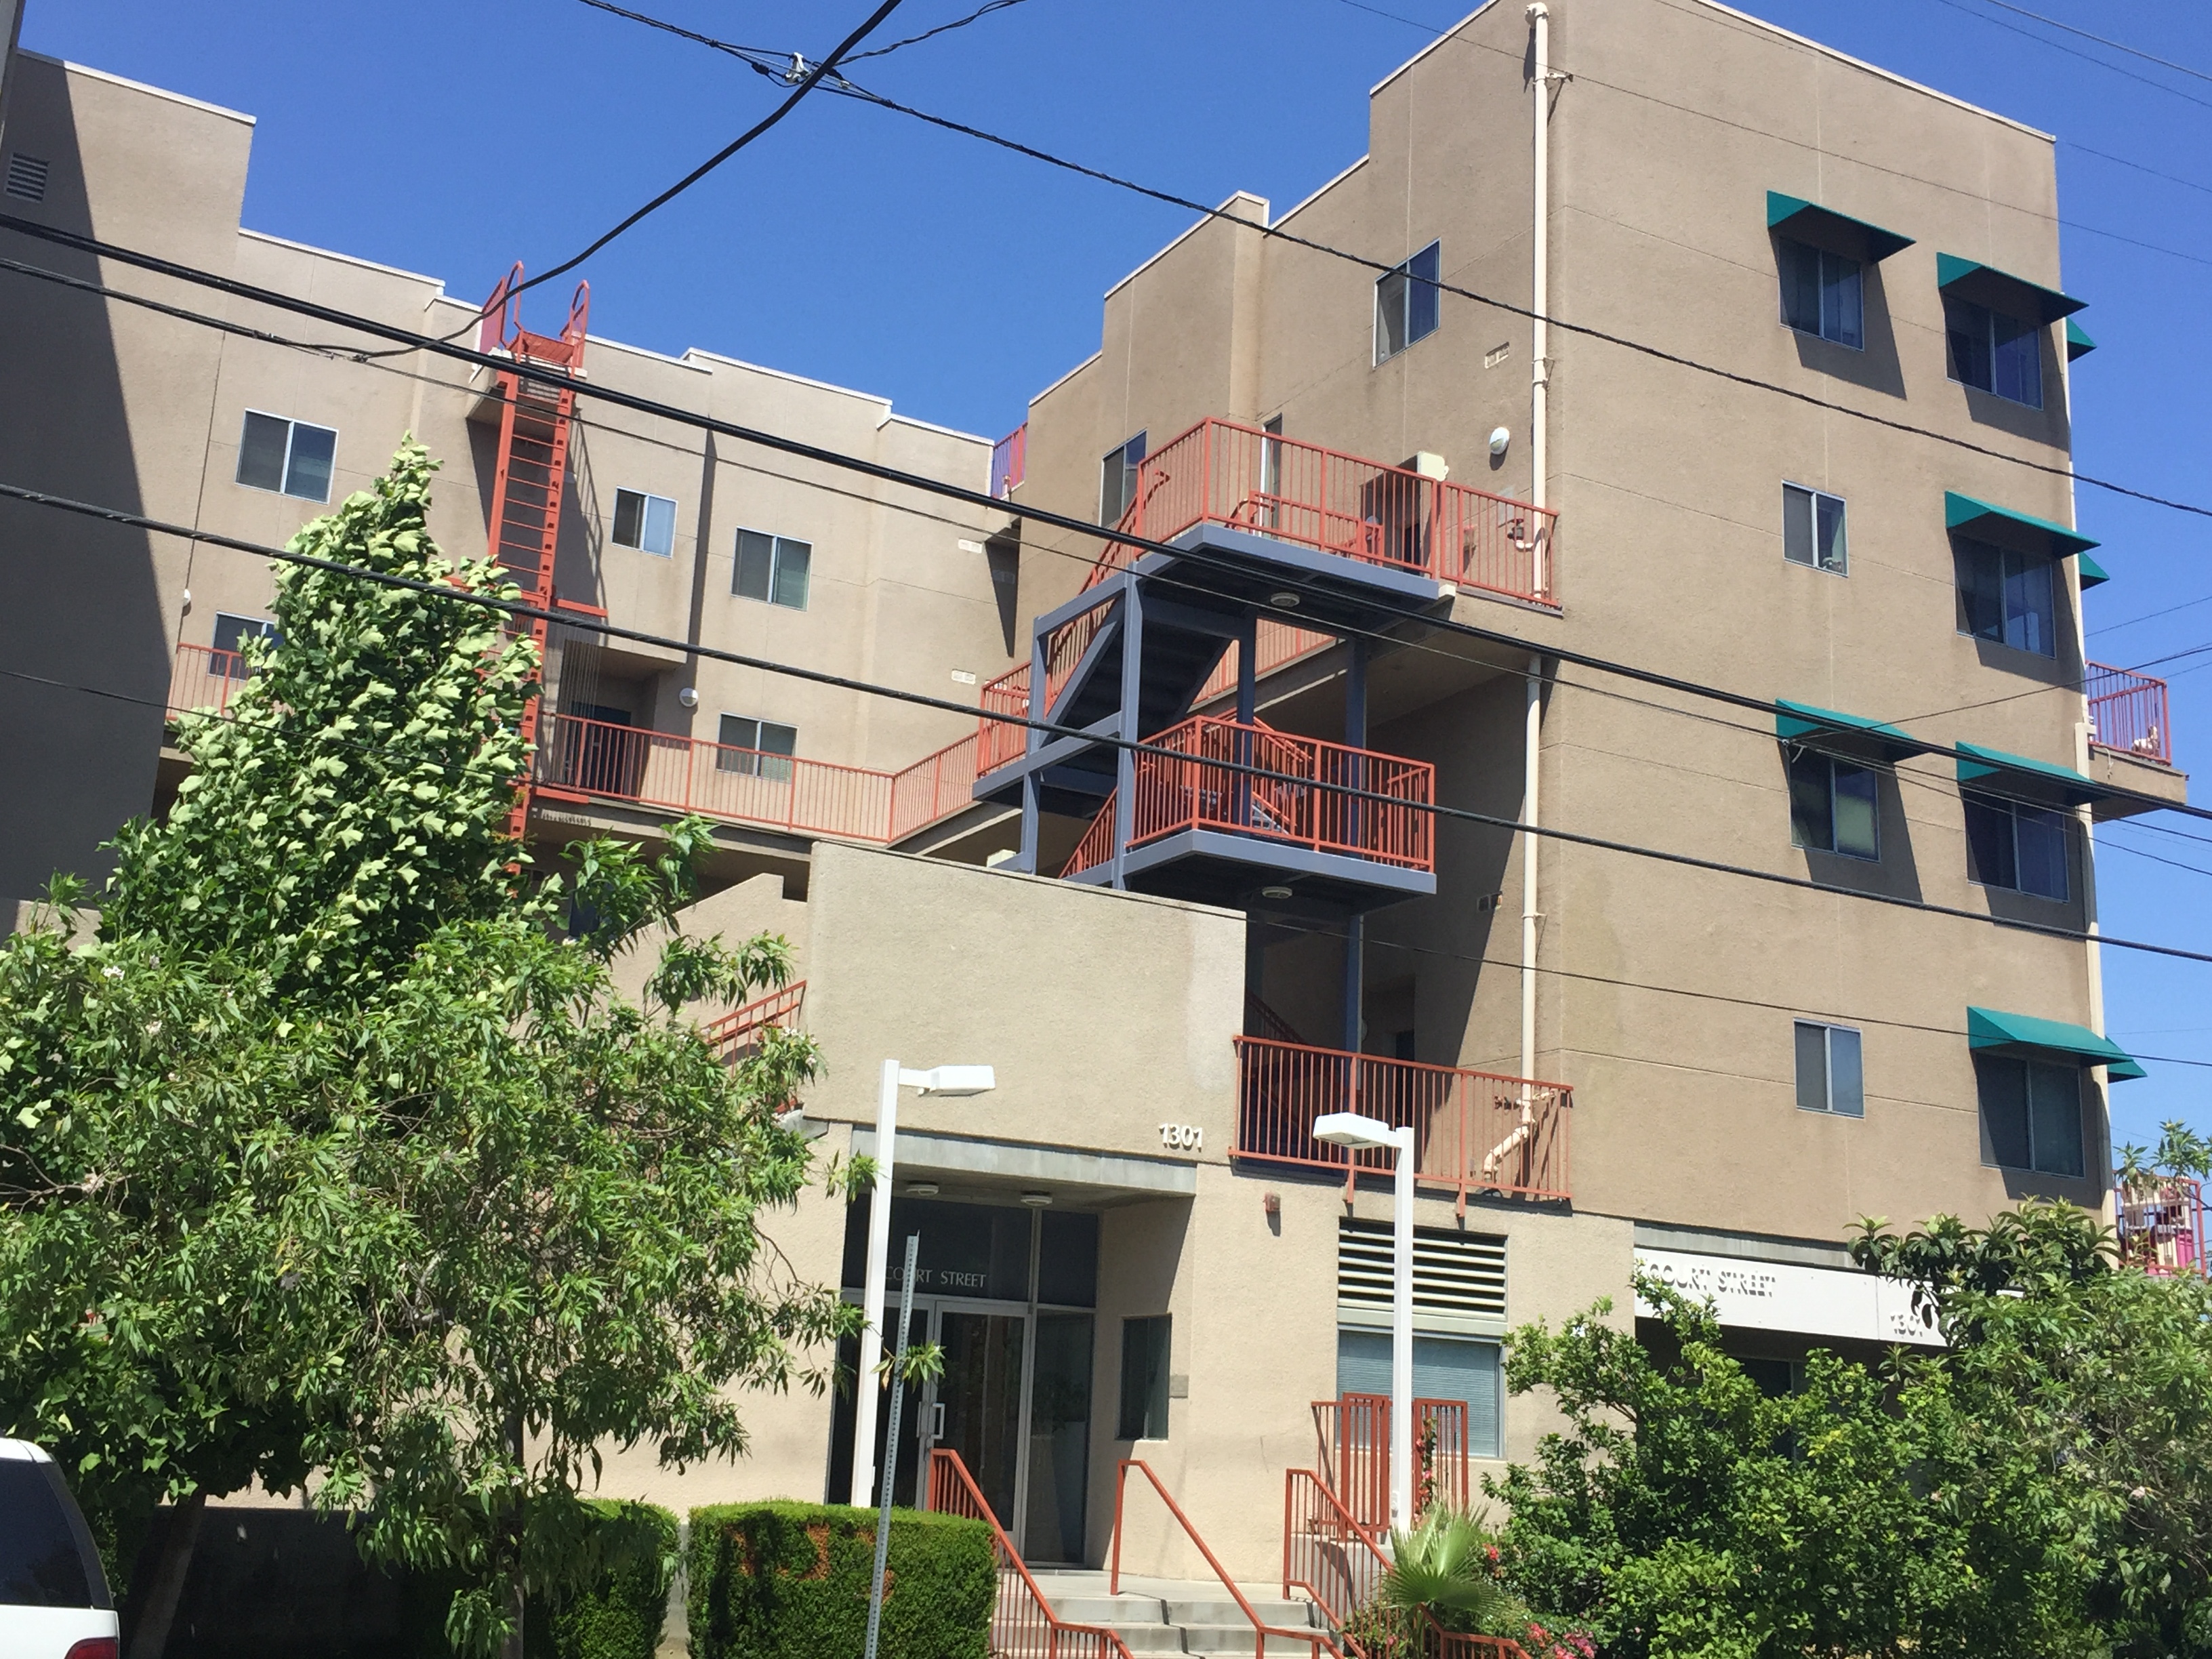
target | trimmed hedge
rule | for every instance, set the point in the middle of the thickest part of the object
(790, 1581)
(620, 1616)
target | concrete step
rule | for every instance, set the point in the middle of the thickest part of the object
(1107, 1609)
(1149, 1638)
(1218, 1609)
(1241, 1638)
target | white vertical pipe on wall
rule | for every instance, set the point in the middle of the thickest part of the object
(1539, 23)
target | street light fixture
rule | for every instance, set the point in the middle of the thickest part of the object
(952, 1082)
(1358, 1133)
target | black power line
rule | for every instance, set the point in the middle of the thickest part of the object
(1053, 729)
(894, 475)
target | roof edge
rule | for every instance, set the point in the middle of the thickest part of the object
(1202, 223)
(124, 81)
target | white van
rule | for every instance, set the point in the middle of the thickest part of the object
(53, 1597)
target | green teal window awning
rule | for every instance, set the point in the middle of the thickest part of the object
(1848, 735)
(1994, 772)
(2078, 343)
(2023, 533)
(1839, 233)
(2000, 290)
(2090, 571)
(1990, 1030)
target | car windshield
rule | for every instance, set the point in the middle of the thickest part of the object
(40, 1563)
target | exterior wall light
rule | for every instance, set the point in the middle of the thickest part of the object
(1500, 441)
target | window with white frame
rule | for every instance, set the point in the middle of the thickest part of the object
(759, 749)
(2006, 596)
(1829, 1079)
(232, 635)
(1409, 304)
(2013, 844)
(1993, 353)
(1834, 805)
(1117, 479)
(1813, 529)
(1821, 293)
(2030, 1114)
(289, 456)
(774, 569)
(645, 522)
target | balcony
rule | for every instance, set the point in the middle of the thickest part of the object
(203, 678)
(1474, 1132)
(1239, 477)
(2128, 713)
(1203, 828)
(2160, 1226)
(1009, 462)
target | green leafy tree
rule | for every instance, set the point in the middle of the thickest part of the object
(1681, 1511)
(2101, 1374)
(331, 1153)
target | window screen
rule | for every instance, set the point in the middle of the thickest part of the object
(645, 522)
(2030, 1114)
(1813, 529)
(753, 747)
(1144, 1344)
(1993, 353)
(1821, 293)
(2014, 845)
(1834, 806)
(1409, 302)
(232, 635)
(1118, 470)
(772, 568)
(1829, 1079)
(289, 456)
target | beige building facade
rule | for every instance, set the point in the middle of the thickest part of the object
(1133, 1246)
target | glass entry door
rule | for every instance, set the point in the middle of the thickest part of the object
(974, 1405)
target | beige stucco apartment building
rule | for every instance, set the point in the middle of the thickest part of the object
(1133, 1247)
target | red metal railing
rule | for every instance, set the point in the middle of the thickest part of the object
(934, 786)
(1307, 794)
(2128, 712)
(1313, 1643)
(1276, 645)
(1096, 846)
(1353, 1436)
(204, 678)
(1338, 1561)
(1010, 461)
(733, 1033)
(2161, 1226)
(662, 768)
(1474, 1132)
(1023, 1625)
(1220, 472)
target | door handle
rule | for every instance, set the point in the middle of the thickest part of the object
(937, 1422)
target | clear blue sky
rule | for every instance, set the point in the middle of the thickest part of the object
(856, 246)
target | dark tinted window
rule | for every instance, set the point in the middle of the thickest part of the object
(41, 1566)
(1144, 1414)
(1067, 1260)
(261, 448)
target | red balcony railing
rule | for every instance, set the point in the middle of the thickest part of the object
(2128, 712)
(1096, 846)
(2162, 1225)
(1010, 461)
(934, 786)
(1474, 1132)
(739, 1030)
(1220, 472)
(203, 678)
(1306, 793)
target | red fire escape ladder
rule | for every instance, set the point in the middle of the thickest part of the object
(532, 470)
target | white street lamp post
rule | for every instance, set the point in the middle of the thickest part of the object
(948, 1080)
(1356, 1132)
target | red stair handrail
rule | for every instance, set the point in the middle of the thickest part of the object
(1314, 1643)
(952, 1491)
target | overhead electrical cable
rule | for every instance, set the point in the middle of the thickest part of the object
(521, 609)
(1106, 533)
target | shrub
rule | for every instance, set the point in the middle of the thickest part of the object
(620, 1616)
(790, 1581)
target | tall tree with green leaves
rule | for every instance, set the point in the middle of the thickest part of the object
(334, 1159)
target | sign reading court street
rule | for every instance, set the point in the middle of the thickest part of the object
(1785, 1295)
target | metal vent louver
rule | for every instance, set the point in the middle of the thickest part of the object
(27, 177)
(1460, 1273)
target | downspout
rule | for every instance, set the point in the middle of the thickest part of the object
(2088, 820)
(1539, 294)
